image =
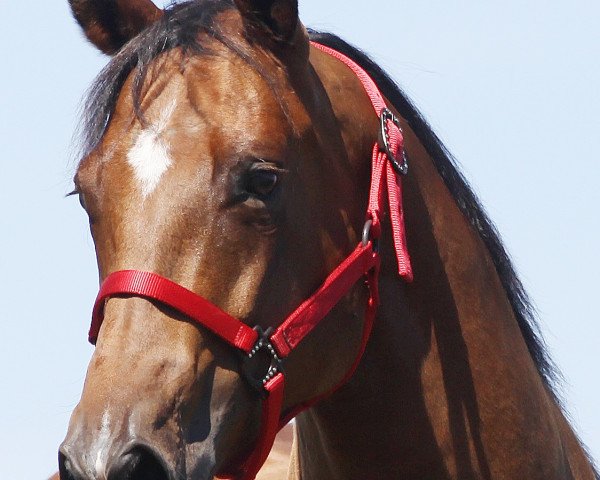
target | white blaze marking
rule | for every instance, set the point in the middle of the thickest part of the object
(101, 444)
(150, 156)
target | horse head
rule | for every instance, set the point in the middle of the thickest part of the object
(214, 158)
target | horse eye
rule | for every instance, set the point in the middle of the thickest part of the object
(262, 182)
(79, 196)
(81, 200)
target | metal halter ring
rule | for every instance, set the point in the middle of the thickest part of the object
(366, 233)
(262, 352)
(387, 115)
(366, 236)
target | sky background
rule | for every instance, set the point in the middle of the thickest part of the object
(512, 88)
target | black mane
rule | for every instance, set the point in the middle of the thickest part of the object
(180, 26)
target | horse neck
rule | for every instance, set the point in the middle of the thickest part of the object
(447, 387)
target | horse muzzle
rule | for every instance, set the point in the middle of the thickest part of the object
(136, 461)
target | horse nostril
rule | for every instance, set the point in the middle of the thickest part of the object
(139, 463)
(66, 468)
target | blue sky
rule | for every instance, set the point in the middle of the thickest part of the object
(511, 88)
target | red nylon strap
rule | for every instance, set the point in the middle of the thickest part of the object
(152, 286)
(371, 310)
(270, 425)
(308, 315)
(384, 177)
(387, 178)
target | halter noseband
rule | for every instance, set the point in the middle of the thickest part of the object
(275, 345)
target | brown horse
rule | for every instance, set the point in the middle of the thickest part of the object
(227, 154)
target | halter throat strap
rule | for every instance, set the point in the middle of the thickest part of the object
(362, 262)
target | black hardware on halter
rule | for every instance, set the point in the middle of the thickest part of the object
(262, 356)
(384, 137)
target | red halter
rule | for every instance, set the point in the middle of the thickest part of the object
(277, 345)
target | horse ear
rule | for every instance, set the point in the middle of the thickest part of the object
(280, 17)
(109, 24)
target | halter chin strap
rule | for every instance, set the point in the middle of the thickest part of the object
(276, 345)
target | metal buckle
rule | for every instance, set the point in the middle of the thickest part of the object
(253, 362)
(384, 134)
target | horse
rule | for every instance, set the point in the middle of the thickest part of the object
(229, 156)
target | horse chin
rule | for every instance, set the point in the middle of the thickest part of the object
(200, 462)
(204, 460)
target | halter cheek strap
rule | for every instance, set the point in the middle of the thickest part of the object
(363, 262)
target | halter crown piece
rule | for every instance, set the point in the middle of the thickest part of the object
(389, 162)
